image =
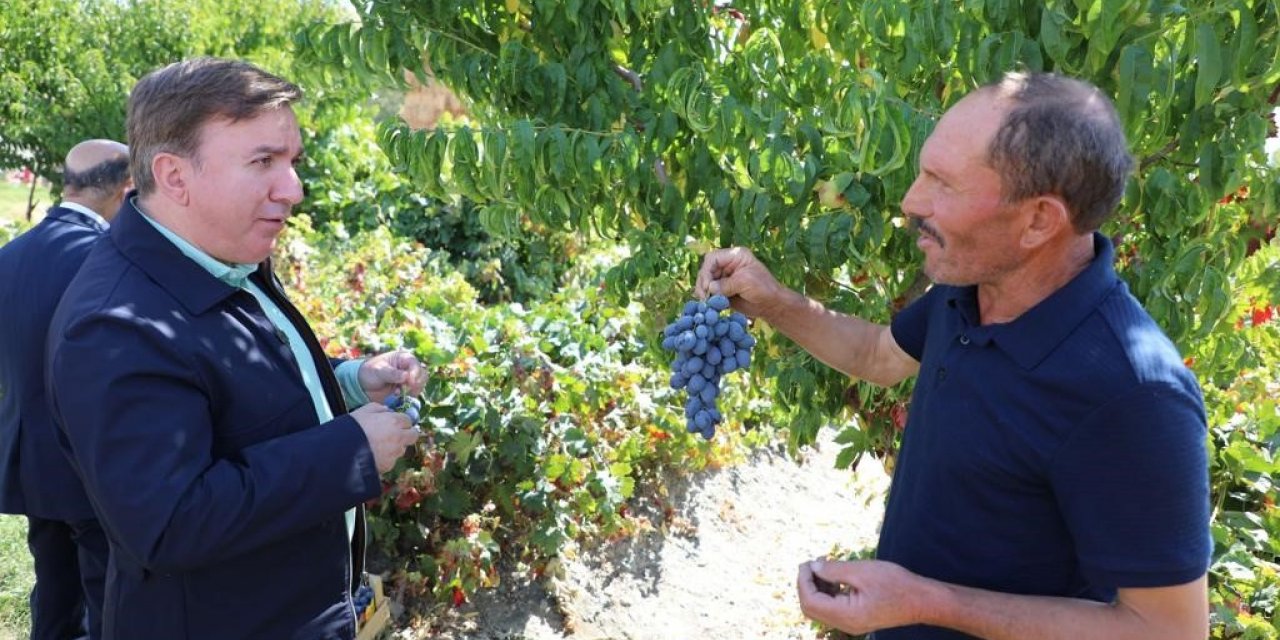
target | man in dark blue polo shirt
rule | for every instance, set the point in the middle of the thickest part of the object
(1053, 478)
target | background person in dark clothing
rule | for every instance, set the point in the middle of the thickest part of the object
(36, 478)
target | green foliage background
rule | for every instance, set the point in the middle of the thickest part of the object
(67, 67)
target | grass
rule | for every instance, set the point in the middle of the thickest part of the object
(13, 204)
(16, 578)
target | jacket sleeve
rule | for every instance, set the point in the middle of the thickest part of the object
(141, 429)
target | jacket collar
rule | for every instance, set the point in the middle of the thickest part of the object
(71, 213)
(190, 284)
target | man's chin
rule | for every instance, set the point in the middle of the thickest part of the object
(940, 276)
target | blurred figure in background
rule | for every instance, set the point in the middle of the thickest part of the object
(36, 478)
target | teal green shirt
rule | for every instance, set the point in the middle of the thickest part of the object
(237, 275)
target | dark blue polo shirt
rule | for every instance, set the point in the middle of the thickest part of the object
(1062, 453)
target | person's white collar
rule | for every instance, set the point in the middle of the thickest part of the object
(75, 206)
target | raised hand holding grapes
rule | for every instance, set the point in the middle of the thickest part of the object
(739, 276)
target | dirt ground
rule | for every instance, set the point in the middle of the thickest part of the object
(724, 567)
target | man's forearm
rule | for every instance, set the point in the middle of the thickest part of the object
(843, 342)
(1000, 616)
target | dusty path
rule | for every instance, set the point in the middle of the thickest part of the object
(725, 567)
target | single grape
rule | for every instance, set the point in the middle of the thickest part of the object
(393, 401)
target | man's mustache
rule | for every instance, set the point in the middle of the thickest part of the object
(921, 227)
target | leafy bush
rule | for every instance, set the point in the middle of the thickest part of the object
(544, 417)
(11, 229)
(351, 183)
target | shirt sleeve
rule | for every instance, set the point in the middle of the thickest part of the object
(348, 374)
(910, 326)
(1133, 487)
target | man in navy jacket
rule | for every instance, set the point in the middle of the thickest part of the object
(36, 479)
(211, 431)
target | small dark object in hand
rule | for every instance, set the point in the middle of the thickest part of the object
(826, 586)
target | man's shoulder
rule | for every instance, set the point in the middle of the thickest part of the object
(1150, 354)
(106, 279)
(53, 228)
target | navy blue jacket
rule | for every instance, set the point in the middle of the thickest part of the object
(36, 479)
(186, 414)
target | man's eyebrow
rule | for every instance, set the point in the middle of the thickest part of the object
(276, 150)
(270, 149)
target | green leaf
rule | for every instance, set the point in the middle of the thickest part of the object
(1134, 86)
(463, 445)
(1208, 62)
(1054, 37)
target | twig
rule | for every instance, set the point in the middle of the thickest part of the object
(629, 76)
(1159, 155)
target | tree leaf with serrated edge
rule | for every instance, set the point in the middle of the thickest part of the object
(1054, 35)
(1244, 43)
(1215, 300)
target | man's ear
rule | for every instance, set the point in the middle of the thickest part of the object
(171, 173)
(1047, 217)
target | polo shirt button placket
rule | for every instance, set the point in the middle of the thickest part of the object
(964, 339)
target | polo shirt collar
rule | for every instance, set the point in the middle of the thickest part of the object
(1030, 337)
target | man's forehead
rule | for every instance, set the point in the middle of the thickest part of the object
(280, 120)
(968, 126)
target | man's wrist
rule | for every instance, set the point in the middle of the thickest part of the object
(938, 603)
(785, 305)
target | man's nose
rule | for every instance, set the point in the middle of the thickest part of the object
(915, 203)
(289, 190)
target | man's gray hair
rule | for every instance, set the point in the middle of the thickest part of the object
(1060, 136)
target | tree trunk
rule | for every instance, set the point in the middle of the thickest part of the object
(31, 195)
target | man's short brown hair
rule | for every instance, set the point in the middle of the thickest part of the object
(169, 107)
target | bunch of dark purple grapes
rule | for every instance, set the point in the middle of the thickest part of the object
(408, 405)
(362, 599)
(707, 345)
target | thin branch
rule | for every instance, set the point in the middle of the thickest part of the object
(31, 195)
(1159, 155)
(629, 76)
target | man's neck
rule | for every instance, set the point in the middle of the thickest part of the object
(91, 205)
(1036, 279)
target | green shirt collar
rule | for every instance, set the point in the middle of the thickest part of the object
(232, 274)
